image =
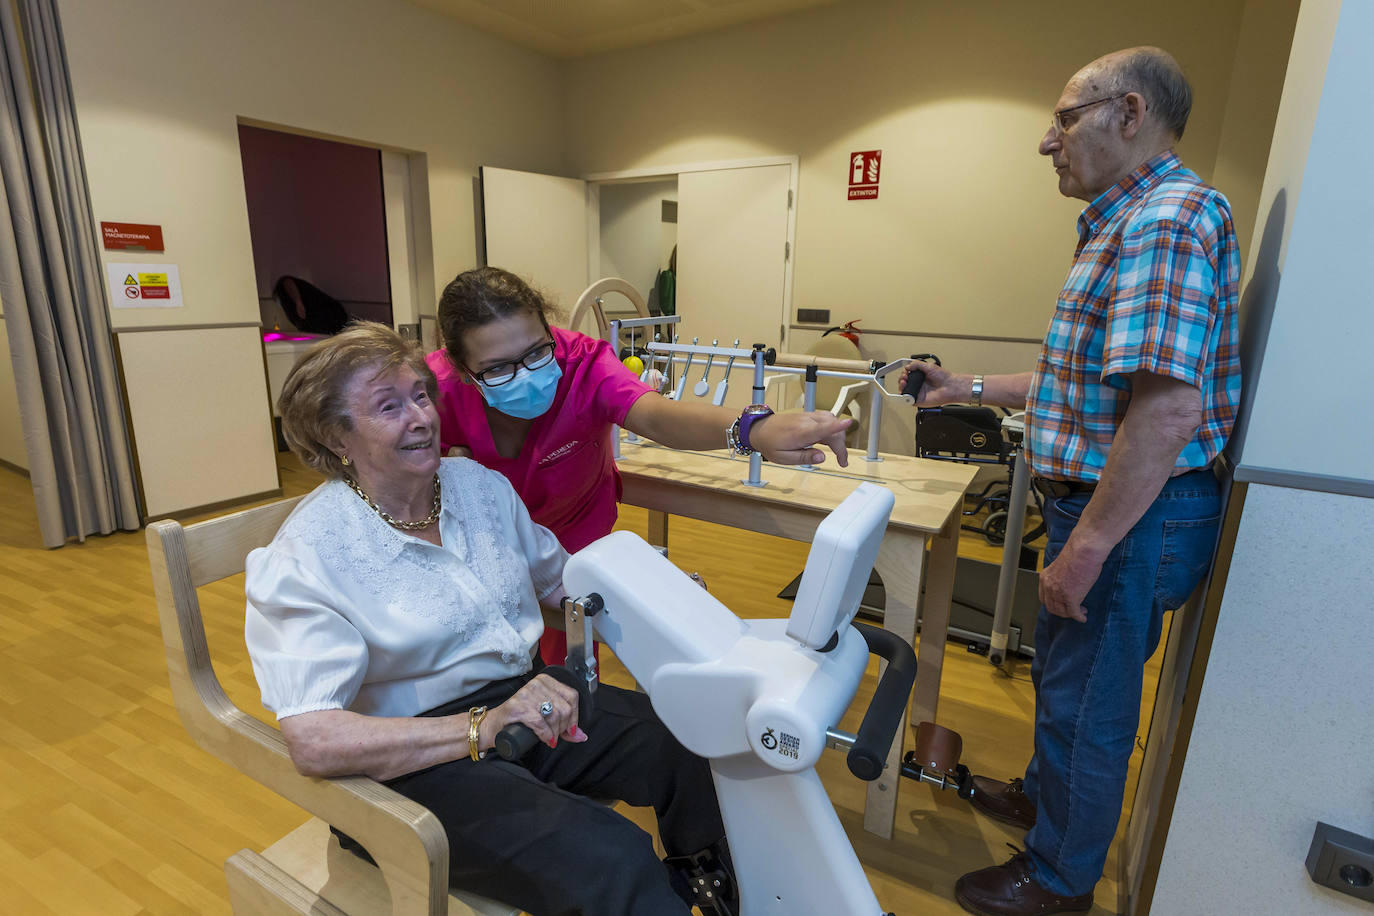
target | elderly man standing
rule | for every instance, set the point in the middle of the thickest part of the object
(1134, 394)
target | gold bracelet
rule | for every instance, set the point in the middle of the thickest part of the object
(475, 717)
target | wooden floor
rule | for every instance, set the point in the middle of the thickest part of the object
(106, 807)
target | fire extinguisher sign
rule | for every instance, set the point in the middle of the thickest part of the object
(863, 174)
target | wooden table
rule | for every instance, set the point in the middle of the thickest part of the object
(708, 486)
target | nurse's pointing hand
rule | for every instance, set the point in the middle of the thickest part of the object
(791, 438)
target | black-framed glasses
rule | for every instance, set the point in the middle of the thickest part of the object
(1057, 123)
(536, 357)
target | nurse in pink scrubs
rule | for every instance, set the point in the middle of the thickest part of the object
(536, 403)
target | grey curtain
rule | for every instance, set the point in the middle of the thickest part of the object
(53, 293)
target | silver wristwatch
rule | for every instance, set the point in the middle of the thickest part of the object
(977, 399)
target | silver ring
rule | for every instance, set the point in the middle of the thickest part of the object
(546, 709)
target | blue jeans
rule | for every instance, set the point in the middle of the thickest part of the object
(1088, 675)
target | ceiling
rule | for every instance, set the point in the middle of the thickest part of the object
(576, 28)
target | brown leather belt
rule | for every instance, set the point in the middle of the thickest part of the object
(1058, 489)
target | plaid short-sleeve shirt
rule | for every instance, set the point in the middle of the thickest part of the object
(1153, 287)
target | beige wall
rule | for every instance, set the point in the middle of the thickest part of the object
(1247, 130)
(635, 242)
(11, 433)
(969, 235)
(160, 87)
(969, 238)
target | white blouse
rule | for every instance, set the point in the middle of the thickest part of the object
(346, 612)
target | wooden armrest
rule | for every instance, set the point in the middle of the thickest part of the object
(403, 837)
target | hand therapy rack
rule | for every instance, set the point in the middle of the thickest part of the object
(792, 501)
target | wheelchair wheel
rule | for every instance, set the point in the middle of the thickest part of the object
(995, 527)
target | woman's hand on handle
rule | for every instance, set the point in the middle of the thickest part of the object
(524, 708)
(792, 438)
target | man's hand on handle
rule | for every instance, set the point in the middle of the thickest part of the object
(940, 387)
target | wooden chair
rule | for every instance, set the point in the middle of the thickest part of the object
(591, 300)
(306, 871)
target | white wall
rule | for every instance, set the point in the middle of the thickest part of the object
(160, 87)
(1283, 736)
(1321, 316)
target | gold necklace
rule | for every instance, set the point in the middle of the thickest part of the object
(396, 522)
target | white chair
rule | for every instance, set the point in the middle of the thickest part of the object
(306, 871)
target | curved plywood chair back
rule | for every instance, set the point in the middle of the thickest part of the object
(405, 839)
(592, 302)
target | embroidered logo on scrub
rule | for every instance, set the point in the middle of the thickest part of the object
(560, 452)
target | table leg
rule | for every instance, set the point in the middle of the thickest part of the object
(930, 658)
(900, 558)
(658, 528)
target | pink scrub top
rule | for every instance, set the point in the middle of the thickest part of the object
(565, 472)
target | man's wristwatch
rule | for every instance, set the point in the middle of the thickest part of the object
(737, 436)
(977, 399)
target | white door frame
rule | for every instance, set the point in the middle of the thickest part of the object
(648, 173)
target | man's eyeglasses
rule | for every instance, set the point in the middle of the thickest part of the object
(535, 358)
(1059, 124)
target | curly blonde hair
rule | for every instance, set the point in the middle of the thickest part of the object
(313, 402)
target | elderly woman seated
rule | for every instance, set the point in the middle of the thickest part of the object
(392, 623)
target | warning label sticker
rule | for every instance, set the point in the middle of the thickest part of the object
(144, 286)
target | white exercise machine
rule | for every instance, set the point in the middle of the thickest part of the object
(759, 699)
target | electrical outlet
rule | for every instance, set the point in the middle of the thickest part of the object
(1342, 861)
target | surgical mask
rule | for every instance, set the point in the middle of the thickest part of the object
(526, 396)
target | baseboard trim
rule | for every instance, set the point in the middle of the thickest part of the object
(18, 469)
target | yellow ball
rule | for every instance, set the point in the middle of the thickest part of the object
(634, 364)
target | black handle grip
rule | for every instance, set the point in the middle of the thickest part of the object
(516, 740)
(884, 716)
(915, 378)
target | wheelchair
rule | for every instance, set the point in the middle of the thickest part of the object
(974, 435)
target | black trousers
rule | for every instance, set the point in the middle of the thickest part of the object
(528, 833)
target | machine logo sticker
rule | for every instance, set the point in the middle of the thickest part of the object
(786, 745)
(978, 440)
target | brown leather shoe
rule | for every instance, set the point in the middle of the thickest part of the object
(1010, 890)
(1004, 801)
